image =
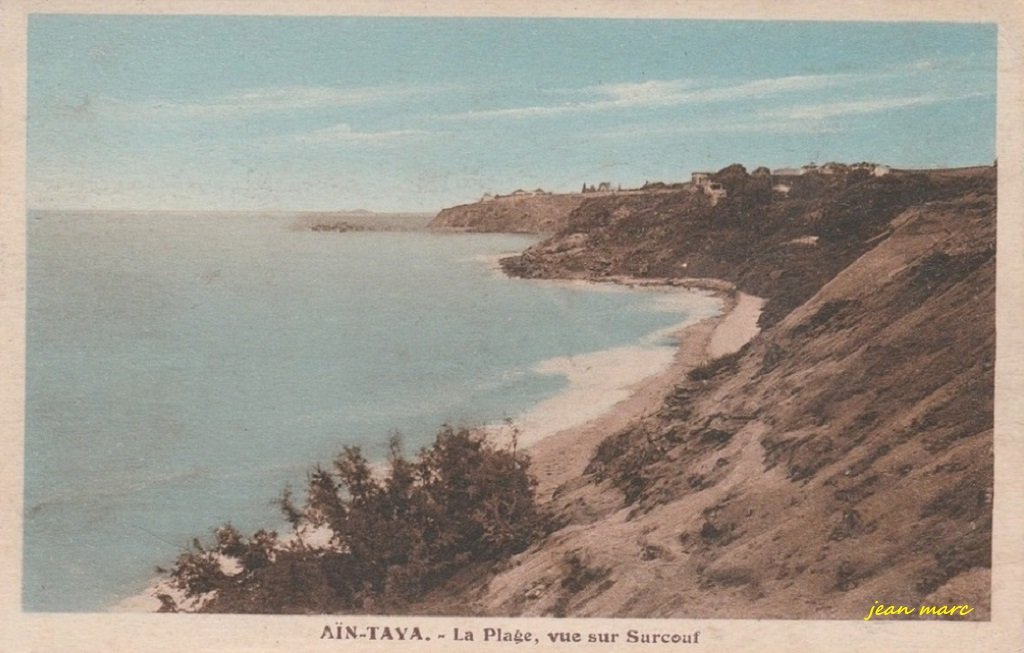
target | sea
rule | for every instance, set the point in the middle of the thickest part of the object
(182, 369)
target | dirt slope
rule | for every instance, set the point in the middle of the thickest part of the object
(844, 456)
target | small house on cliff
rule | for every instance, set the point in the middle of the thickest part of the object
(787, 172)
(701, 181)
(832, 168)
(715, 191)
(876, 169)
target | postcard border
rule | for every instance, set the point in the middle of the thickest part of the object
(21, 631)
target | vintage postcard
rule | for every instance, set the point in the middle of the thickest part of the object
(375, 326)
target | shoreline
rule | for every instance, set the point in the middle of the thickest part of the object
(562, 455)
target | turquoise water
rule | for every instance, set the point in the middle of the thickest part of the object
(182, 369)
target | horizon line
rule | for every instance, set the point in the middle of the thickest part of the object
(426, 211)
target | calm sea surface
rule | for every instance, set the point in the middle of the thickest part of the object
(182, 369)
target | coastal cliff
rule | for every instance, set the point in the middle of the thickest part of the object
(534, 213)
(838, 453)
(782, 248)
(843, 456)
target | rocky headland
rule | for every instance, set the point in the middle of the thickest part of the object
(523, 213)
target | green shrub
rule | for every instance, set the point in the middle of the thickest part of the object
(395, 535)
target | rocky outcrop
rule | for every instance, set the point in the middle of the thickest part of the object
(545, 213)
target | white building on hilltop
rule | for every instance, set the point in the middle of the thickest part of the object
(702, 181)
(787, 172)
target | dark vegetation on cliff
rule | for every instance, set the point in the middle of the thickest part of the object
(753, 237)
(461, 504)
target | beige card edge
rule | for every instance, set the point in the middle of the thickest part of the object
(116, 632)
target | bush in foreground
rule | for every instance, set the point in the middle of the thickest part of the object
(387, 538)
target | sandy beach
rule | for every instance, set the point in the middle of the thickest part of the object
(561, 456)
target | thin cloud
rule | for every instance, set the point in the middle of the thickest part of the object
(344, 133)
(650, 93)
(663, 93)
(762, 88)
(724, 126)
(944, 64)
(798, 119)
(862, 107)
(256, 101)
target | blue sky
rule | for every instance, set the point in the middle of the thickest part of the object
(404, 114)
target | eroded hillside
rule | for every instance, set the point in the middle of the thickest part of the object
(843, 456)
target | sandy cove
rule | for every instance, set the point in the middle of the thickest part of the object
(563, 456)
